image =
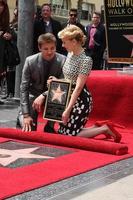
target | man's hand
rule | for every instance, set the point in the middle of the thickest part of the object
(38, 102)
(27, 124)
(51, 78)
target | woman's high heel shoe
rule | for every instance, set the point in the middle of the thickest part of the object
(117, 136)
(101, 123)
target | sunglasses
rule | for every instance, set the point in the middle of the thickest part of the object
(71, 15)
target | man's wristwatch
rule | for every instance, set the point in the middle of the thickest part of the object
(25, 115)
(43, 94)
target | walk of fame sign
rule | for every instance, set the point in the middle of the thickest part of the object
(119, 31)
(57, 100)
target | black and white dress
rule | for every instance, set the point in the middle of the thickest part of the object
(74, 66)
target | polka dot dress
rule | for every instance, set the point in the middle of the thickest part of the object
(74, 66)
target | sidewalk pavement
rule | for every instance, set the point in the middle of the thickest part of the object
(120, 190)
(8, 113)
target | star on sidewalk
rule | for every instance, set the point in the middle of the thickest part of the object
(130, 39)
(57, 94)
(8, 156)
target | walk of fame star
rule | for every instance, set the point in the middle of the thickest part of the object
(57, 94)
(130, 38)
(9, 156)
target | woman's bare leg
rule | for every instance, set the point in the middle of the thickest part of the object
(93, 131)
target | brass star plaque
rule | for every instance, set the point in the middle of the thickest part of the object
(57, 100)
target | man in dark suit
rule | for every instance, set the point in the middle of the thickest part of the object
(46, 25)
(96, 41)
(72, 19)
(36, 71)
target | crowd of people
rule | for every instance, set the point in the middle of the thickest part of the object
(69, 51)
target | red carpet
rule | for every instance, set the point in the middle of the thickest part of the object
(21, 179)
(113, 99)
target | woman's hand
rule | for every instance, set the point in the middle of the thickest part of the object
(38, 102)
(65, 116)
(7, 36)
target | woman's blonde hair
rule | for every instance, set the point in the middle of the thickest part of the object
(72, 32)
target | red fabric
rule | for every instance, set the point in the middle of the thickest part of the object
(112, 97)
(19, 180)
(67, 141)
(3, 139)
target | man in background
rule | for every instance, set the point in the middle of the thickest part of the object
(73, 19)
(46, 24)
(96, 41)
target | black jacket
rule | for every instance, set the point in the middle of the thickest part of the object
(39, 28)
(99, 38)
(3, 65)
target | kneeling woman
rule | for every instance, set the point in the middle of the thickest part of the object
(77, 68)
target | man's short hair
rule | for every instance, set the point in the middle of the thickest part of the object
(97, 13)
(73, 10)
(46, 4)
(47, 38)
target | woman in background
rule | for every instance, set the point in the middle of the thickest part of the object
(6, 33)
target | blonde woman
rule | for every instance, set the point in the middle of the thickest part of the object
(77, 68)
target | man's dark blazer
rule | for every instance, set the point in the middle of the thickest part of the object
(99, 38)
(99, 45)
(39, 28)
(34, 77)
